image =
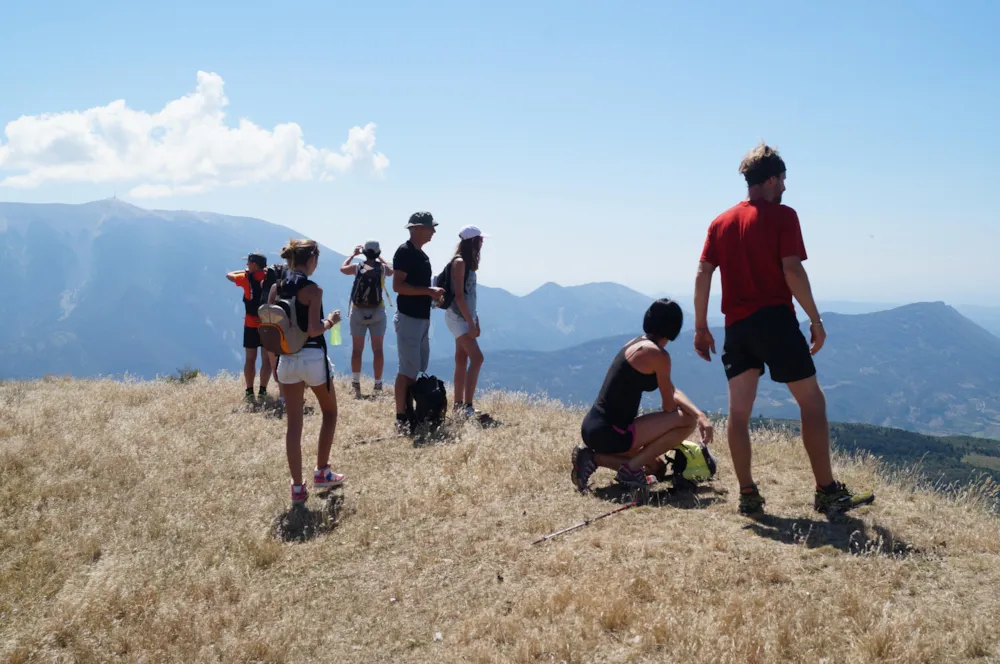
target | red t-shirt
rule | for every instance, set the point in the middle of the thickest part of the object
(747, 243)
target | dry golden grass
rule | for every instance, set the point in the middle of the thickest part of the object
(136, 525)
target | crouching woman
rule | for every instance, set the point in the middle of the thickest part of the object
(614, 434)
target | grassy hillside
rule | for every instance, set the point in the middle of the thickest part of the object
(943, 460)
(137, 520)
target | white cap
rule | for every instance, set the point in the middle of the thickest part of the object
(372, 245)
(469, 232)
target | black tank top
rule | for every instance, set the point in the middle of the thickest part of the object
(621, 394)
(290, 287)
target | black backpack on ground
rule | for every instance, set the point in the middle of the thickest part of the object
(367, 289)
(427, 401)
(443, 280)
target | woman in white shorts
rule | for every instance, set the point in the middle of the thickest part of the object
(310, 366)
(462, 318)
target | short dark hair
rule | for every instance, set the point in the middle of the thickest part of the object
(761, 164)
(259, 259)
(664, 319)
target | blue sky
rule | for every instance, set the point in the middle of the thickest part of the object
(593, 141)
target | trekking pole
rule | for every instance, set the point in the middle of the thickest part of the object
(586, 522)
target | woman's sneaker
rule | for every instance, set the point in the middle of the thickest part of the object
(299, 494)
(583, 467)
(325, 478)
(837, 498)
(634, 478)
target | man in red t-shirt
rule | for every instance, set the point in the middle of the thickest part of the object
(251, 281)
(757, 246)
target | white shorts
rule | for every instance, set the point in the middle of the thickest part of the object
(308, 366)
(457, 325)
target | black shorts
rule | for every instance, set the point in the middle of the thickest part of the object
(251, 337)
(771, 337)
(604, 437)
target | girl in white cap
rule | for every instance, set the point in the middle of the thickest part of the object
(462, 318)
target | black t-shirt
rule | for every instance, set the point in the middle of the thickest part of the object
(417, 267)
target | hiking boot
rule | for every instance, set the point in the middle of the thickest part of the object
(248, 396)
(262, 393)
(751, 502)
(403, 427)
(634, 478)
(583, 467)
(299, 494)
(377, 390)
(357, 390)
(325, 478)
(837, 498)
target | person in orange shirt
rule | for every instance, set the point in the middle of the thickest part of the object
(251, 281)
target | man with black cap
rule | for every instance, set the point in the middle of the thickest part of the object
(411, 280)
(251, 281)
(757, 244)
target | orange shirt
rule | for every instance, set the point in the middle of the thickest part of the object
(242, 281)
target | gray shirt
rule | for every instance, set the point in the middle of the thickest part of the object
(470, 295)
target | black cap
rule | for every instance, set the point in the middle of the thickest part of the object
(664, 318)
(421, 219)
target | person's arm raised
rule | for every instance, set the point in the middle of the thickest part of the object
(348, 268)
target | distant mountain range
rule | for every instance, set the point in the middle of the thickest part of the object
(922, 367)
(107, 288)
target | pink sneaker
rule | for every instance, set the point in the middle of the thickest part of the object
(299, 494)
(325, 478)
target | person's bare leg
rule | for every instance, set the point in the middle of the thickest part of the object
(328, 407)
(250, 367)
(378, 361)
(274, 373)
(461, 370)
(294, 401)
(815, 427)
(401, 387)
(357, 350)
(742, 394)
(655, 434)
(471, 348)
(265, 368)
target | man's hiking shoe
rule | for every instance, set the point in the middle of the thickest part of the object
(299, 494)
(357, 390)
(634, 478)
(377, 390)
(838, 498)
(249, 398)
(751, 502)
(583, 467)
(403, 427)
(325, 478)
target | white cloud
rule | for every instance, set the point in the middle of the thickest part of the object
(186, 148)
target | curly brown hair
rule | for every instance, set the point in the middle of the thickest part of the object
(761, 164)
